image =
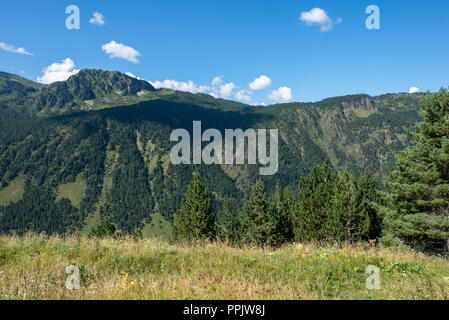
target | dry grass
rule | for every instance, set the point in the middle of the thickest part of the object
(34, 267)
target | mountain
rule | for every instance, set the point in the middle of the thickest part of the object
(97, 147)
(87, 90)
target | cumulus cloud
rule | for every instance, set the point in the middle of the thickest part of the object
(413, 90)
(217, 90)
(217, 81)
(223, 90)
(260, 83)
(58, 72)
(282, 94)
(243, 95)
(188, 86)
(129, 74)
(226, 89)
(318, 17)
(119, 50)
(97, 19)
(11, 48)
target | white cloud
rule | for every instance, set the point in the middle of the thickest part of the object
(260, 83)
(243, 95)
(217, 90)
(258, 104)
(129, 74)
(11, 48)
(317, 16)
(188, 86)
(97, 19)
(413, 90)
(58, 72)
(217, 81)
(282, 94)
(119, 50)
(226, 89)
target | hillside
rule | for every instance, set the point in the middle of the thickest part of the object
(97, 147)
(87, 90)
(35, 268)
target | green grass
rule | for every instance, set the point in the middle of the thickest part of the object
(74, 191)
(117, 100)
(94, 218)
(159, 227)
(34, 267)
(13, 192)
(362, 113)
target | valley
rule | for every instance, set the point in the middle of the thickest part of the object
(96, 147)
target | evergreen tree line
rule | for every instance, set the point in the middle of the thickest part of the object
(329, 207)
(412, 209)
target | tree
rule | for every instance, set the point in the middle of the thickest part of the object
(258, 223)
(367, 199)
(105, 230)
(228, 227)
(417, 197)
(195, 220)
(342, 222)
(282, 206)
(316, 192)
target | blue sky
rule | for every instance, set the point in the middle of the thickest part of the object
(237, 40)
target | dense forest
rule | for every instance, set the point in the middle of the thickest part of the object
(332, 206)
(96, 147)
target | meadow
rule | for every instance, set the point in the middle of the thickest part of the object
(34, 267)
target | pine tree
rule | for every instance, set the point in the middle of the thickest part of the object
(282, 206)
(370, 222)
(342, 220)
(228, 227)
(195, 220)
(290, 205)
(315, 195)
(417, 210)
(258, 223)
(353, 215)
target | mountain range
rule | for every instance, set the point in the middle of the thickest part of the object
(96, 147)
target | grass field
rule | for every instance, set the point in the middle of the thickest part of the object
(74, 191)
(159, 227)
(13, 192)
(34, 267)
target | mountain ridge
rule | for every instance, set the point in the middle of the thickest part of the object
(65, 168)
(80, 86)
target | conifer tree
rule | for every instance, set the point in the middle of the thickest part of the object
(195, 220)
(342, 223)
(353, 215)
(283, 206)
(258, 223)
(367, 198)
(315, 196)
(417, 210)
(290, 206)
(228, 227)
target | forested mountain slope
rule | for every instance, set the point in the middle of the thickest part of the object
(97, 147)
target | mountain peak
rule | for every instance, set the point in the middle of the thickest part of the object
(86, 90)
(89, 84)
(10, 82)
